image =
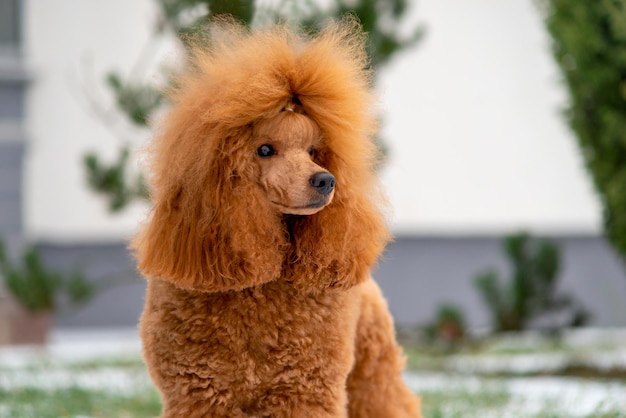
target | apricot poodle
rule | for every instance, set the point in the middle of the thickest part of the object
(266, 222)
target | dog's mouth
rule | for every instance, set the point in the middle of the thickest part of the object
(308, 209)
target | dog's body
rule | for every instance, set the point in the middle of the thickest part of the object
(265, 227)
(272, 351)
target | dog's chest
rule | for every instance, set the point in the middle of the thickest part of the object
(251, 337)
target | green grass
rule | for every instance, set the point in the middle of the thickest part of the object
(460, 403)
(32, 402)
(127, 363)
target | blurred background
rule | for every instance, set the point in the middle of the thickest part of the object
(489, 176)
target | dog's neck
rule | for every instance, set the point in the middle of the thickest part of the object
(290, 221)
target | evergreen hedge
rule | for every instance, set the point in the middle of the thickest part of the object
(589, 44)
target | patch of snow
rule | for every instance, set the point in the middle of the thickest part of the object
(113, 379)
(76, 345)
(569, 397)
(535, 363)
(49, 367)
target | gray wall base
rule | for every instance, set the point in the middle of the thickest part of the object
(416, 275)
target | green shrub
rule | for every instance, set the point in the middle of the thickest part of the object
(448, 329)
(532, 290)
(37, 289)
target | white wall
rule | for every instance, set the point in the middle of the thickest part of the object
(70, 45)
(472, 119)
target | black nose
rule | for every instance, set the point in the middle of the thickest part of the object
(323, 182)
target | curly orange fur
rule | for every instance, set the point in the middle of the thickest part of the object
(215, 246)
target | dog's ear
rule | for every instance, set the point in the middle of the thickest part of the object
(209, 230)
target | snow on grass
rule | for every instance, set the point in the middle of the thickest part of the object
(101, 373)
(525, 375)
(93, 360)
(521, 397)
(71, 346)
(533, 363)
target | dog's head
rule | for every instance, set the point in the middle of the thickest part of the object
(290, 150)
(263, 169)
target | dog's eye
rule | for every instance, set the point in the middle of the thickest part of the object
(311, 151)
(265, 150)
